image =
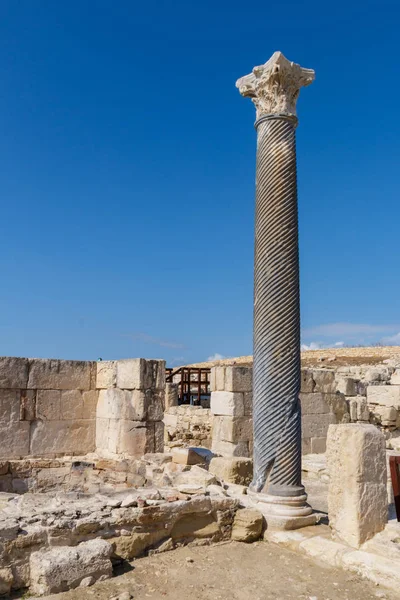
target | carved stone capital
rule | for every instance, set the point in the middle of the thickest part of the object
(275, 86)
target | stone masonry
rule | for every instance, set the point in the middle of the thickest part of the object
(188, 425)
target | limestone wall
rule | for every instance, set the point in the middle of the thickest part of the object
(47, 407)
(188, 425)
(358, 394)
(232, 408)
(130, 408)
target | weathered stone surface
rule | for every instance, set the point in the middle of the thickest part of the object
(62, 437)
(9, 405)
(141, 374)
(134, 545)
(232, 429)
(395, 378)
(238, 379)
(232, 470)
(171, 395)
(318, 445)
(248, 404)
(64, 568)
(27, 405)
(227, 403)
(133, 405)
(357, 492)
(346, 386)
(324, 381)
(312, 404)
(48, 405)
(307, 381)
(13, 372)
(14, 439)
(71, 404)
(384, 395)
(49, 374)
(247, 525)
(358, 408)
(89, 404)
(228, 449)
(106, 374)
(187, 456)
(316, 425)
(6, 581)
(217, 379)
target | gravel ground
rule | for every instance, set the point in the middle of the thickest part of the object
(232, 571)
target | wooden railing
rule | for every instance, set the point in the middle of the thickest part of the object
(194, 384)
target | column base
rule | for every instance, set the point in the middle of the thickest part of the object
(284, 512)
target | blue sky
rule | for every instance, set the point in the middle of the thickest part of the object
(127, 166)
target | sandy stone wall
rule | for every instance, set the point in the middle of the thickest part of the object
(47, 407)
(188, 425)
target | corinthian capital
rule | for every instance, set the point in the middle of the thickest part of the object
(275, 86)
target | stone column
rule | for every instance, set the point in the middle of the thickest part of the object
(274, 89)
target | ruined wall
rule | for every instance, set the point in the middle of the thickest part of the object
(47, 407)
(232, 409)
(358, 394)
(130, 407)
(188, 425)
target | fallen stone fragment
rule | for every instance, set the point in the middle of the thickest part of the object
(233, 470)
(64, 568)
(247, 525)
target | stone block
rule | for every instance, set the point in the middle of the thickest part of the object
(131, 438)
(316, 425)
(358, 408)
(170, 421)
(158, 436)
(133, 405)
(9, 405)
(384, 395)
(385, 415)
(318, 445)
(357, 498)
(248, 404)
(377, 373)
(307, 381)
(14, 439)
(187, 456)
(238, 379)
(64, 568)
(306, 445)
(141, 374)
(324, 381)
(395, 378)
(89, 404)
(71, 404)
(218, 379)
(171, 395)
(48, 405)
(222, 448)
(232, 470)
(13, 372)
(102, 426)
(106, 374)
(49, 374)
(6, 581)
(62, 437)
(227, 403)
(346, 386)
(27, 406)
(232, 429)
(247, 525)
(312, 404)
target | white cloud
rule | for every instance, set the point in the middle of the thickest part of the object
(311, 346)
(348, 329)
(338, 344)
(391, 340)
(148, 339)
(215, 357)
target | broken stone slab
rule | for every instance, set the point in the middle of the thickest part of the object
(384, 395)
(236, 470)
(358, 503)
(141, 374)
(189, 456)
(247, 525)
(49, 374)
(64, 568)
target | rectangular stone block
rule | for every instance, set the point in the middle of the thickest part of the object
(217, 379)
(89, 404)
(227, 403)
(14, 439)
(356, 461)
(307, 381)
(158, 436)
(106, 374)
(248, 403)
(395, 378)
(9, 405)
(102, 426)
(230, 449)
(27, 406)
(141, 374)
(324, 381)
(13, 372)
(49, 374)
(48, 405)
(318, 445)
(346, 386)
(171, 395)
(312, 404)
(62, 437)
(71, 404)
(238, 379)
(384, 395)
(305, 445)
(133, 405)
(133, 438)
(232, 429)
(316, 425)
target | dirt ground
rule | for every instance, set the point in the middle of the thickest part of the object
(232, 571)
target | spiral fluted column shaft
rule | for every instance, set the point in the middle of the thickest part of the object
(276, 370)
